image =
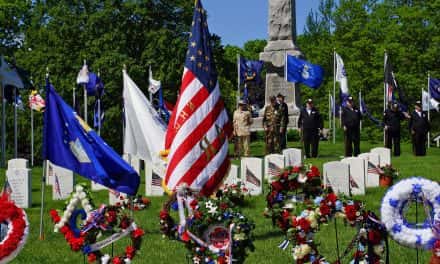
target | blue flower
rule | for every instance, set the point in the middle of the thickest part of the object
(394, 202)
(280, 197)
(319, 199)
(437, 199)
(397, 228)
(86, 249)
(419, 240)
(175, 206)
(417, 188)
(338, 205)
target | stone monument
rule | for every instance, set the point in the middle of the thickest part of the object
(281, 41)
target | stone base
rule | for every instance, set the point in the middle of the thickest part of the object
(257, 124)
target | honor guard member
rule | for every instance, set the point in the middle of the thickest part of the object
(242, 129)
(272, 121)
(310, 123)
(351, 120)
(419, 127)
(282, 107)
(391, 119)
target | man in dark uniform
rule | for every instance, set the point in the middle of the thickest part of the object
(419, 127)
(310, 123)
(351, 119)
(282, 108)
(392, 118)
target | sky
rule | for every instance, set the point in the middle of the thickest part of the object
(237, 21)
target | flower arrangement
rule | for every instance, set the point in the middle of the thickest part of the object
(233, 193)
(138, 203)
(106, 220)
(387, 175)
(18, 229)
(215, 231)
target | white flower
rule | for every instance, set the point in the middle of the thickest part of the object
(127, 261)
(70, 207)
(85, 202)
(300, 251)
(105, 259)
(79, 188)
(82, 195)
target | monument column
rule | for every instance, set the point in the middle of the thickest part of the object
(281, 40)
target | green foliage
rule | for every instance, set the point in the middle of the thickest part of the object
(293, 135)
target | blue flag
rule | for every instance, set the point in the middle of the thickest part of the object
(70, 143)
(301, 71)
(434, 88)
(95, 86)
(250, 70)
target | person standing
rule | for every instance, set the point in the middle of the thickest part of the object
(419, 127)
(284, 111)
(351, 120)
(392, 118)
(310, 124)
(271, 123)
(242, 129)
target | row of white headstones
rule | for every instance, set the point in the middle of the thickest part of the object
(349, 176)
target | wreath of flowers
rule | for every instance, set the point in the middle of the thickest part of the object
(214, 233)
(106, 220)
(137, 204)
(298, 205)
(18, 229)
(234, 193)
(396, 202)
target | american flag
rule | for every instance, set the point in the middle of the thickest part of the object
(353, 183)
(7, 189)
(273, 170)
(374, 169)
(156, 180)
(198, 130)
(57, 186)
(390, 82)
(250, 177)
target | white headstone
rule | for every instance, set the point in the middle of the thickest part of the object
(153, 180)
(20, 181)
(292, 157)
(336, 175)
(358, 173)
(373, 161)
(232, 177)
(273, 165)
(252, 175)
(384, 154)
(116, 198)
(63, 183)
(52, 169)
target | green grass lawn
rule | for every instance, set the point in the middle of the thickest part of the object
(155, 249)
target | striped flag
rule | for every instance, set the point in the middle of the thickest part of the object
(250, 177)
(374, 169)
(156, 180)
(7, 189)
(198, 130)
(353, 183)
(57, 186)
(273, 170)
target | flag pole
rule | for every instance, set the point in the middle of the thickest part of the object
(360, 107)
(124, 70)
(43, 178)
(238, 78)
(32, 137)
(3, 143)
(384, 89)
(85, 98)
(429, 110)
(150, 73)
(15, 123)
(334, 95)
(74, 97)
(99, 109)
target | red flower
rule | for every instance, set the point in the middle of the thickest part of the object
(64, 230)
(111, 216)
(91, 258)
(304, 224)
(164, 214)
(125, 223)
(194, 204)
(350, 212)
(277, 186)
(221, 260)
(324, 209)
(223, 206)
(76, 243)
(293, 185)
(55, 217)
(130, 251)
(137, 233)
(374, 237)
(296, 169)
(285, 214)
(185, 237)
(117, 260)
(331, 197)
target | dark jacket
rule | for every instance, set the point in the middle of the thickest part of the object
(312, 121)
(419, 124)
(351, 118)
(392, 119)
(285, 112)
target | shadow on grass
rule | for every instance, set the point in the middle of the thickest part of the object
(270, 234)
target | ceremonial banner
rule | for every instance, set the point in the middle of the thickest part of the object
(301, 71)
(198, 130)
(70, 143)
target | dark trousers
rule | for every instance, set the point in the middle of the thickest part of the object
(352, 142)
(283, 140)
(311, 138)
(419, 144)
(393, 137)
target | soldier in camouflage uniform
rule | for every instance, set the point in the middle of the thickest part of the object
(273, 119)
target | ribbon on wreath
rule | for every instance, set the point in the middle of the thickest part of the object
(113, 238)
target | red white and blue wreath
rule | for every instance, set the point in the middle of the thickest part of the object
(213, 230)
(107, 221)
(396, 202)
(298, 206)
(17, 224)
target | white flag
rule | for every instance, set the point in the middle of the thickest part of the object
(144, 129)
(83, 75)
(429, 103)
(9, 76)
(154, 85)
(341, 74)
